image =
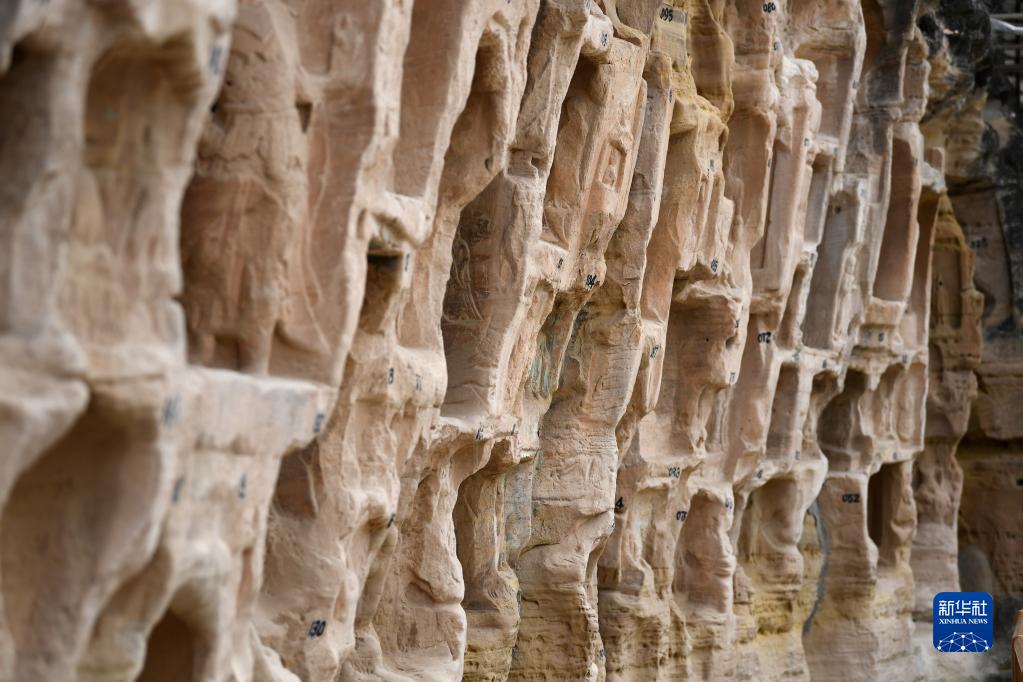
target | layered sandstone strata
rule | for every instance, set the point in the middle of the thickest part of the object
(545, 339)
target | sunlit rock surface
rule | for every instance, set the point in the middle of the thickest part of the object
(504, 340)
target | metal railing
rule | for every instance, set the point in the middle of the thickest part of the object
(1007, 37)
(1017, 648)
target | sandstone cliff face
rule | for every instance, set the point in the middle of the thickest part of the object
(546, 339)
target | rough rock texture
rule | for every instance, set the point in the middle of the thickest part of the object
(490, 339)
(988, 203)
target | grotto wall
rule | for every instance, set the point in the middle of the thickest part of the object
(486, 340)
(985, 184)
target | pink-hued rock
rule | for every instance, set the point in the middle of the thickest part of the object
(500, 340)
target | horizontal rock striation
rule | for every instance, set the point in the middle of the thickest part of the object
(492, 340)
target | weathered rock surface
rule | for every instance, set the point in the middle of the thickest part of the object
(480, 339)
